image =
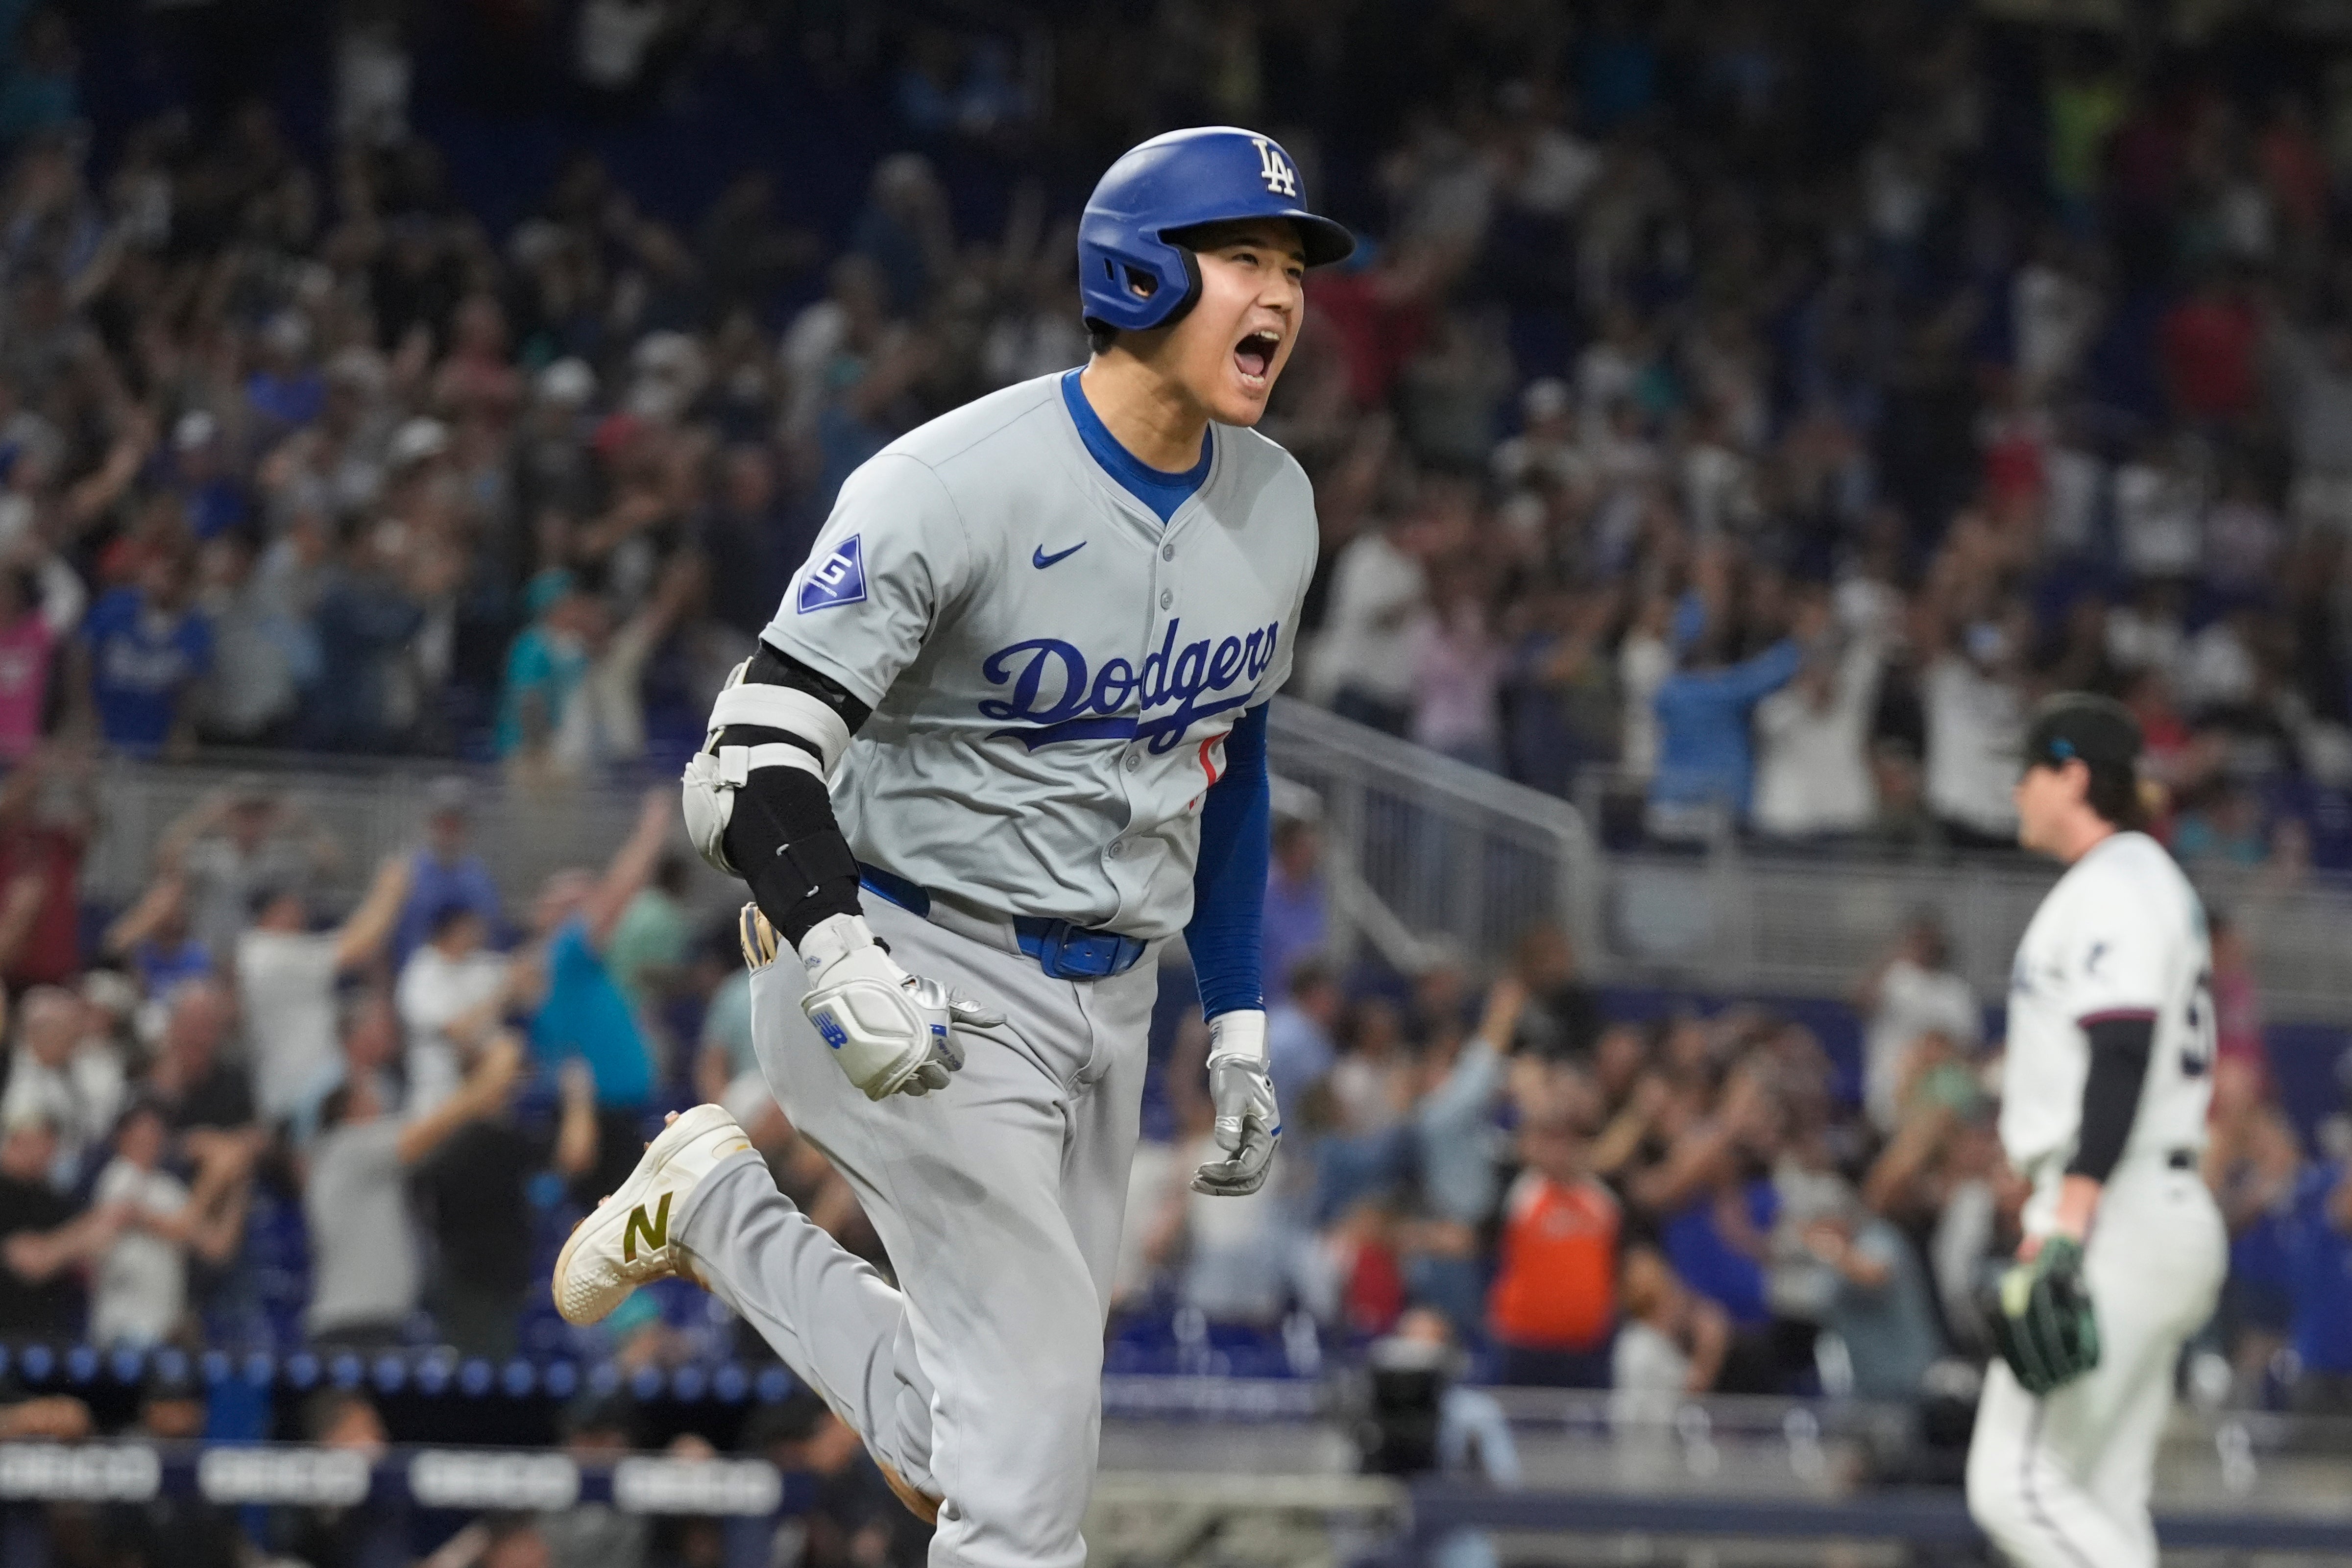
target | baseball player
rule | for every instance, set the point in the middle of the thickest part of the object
(2103, 1093)
(1005, 737)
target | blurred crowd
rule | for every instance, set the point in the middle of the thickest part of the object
(1739, 490)
(247, 1122)
(847, 1516)
(237, 1124)
(1594, 1190)
(1737, 416)
(1734, 425)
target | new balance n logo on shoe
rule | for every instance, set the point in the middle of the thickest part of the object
(657, 1232)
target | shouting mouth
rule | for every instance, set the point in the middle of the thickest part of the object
(1254, 357)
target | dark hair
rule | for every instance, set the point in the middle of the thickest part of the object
(592, 1412)
(1099, 338)
(257, 902)
(793, 1420)
(169, 1380)
(324, 1410)
(2113, 793)
(335, 1106)
(1309, 975)
(445, 915)
(1928, 921)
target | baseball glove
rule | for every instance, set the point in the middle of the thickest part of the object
(2042, 1318)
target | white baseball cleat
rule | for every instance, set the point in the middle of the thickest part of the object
(627, 1241)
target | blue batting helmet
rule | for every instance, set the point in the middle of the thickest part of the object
(1134, 272)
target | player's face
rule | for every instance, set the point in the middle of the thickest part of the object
(2044, 797)
(1228, 349)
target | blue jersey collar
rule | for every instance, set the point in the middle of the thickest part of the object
(1157, 488)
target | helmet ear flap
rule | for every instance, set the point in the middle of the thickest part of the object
(1138, 291)
(1192, 288)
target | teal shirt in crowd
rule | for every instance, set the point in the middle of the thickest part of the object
(538, 667)
(585, 1014)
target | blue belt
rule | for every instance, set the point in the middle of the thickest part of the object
(1064, 951)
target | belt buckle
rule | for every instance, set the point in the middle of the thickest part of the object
(1098, 951)
(1073, 953)
(1069, 952)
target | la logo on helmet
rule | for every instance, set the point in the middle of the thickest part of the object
(1275, 169)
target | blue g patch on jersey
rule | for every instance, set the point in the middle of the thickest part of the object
(840, 580)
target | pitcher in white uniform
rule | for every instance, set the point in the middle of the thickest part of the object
(2104, 1092)
(1012, 713)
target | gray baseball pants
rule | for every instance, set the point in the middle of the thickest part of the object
(978, 1377)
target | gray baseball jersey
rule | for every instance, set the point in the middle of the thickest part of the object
(1052, 672)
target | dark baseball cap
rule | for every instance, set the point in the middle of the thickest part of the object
(2082, 727)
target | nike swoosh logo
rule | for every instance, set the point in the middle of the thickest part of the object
(1041, 560)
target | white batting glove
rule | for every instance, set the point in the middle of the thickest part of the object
(892, 1032)
(1249, 1123)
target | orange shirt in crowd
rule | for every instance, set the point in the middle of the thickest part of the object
(1556, 1283)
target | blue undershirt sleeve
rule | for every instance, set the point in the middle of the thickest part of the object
(1229, 885)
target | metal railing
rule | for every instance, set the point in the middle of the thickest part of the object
(370, 811)
(1782, 923)
(1440, 850)
(137, 1472)
(1421, 855)
(1422, 847)
(1228, 1472)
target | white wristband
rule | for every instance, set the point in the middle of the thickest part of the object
(831, 938)
(1238, 1036)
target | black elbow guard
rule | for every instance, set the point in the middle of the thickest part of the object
(783, 835)
(785, 839)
